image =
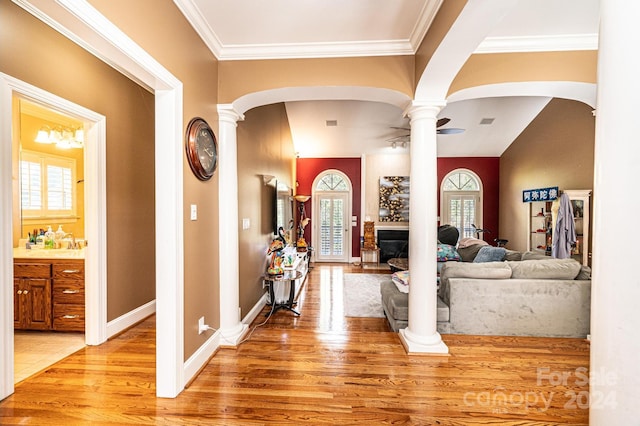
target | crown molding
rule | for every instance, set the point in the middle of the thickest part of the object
(539, 43)
(200, 25)
(316, 50)
(427, 15)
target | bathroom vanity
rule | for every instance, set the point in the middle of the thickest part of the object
(48, 289)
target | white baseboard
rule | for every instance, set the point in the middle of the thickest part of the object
(255, 311)
(130, 318)
(200, 357)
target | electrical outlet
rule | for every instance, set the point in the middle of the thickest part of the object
(201, 326)
(194, 212)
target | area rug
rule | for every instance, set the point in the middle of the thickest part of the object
(362, 295)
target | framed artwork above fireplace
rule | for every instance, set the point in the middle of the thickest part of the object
(394, 199)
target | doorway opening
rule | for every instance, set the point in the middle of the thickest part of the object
(331, 216)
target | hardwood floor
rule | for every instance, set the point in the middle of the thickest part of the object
(317, 369)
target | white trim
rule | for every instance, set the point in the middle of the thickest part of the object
(83, 24)
(315, 237)
(444, 207)
(546, 43)
(130, 319)
(255, 311)
(582, 92)
(201, 357)
(95, 214)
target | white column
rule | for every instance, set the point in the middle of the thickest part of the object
(231, 327)
(615, 291)
(421, 335)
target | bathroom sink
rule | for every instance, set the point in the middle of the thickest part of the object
(41, 253)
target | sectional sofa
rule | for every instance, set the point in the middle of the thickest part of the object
(531, 297)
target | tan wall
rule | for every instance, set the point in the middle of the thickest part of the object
(265, 147)
(161, 30)
(238, 78)
(377, 166)
(557, 148)
(70, 72)
(482, 69)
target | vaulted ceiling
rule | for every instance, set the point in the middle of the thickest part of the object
(246, 29)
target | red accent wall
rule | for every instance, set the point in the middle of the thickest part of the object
(488, 169)
(308, 169)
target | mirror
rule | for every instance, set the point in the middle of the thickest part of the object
(283, 211)
(48, 171)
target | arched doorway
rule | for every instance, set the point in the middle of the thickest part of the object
(461, 201)
(331, 230)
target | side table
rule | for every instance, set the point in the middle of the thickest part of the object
(370, 256)
(289, 275)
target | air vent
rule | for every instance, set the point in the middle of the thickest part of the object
(332, 123)
(487, 121)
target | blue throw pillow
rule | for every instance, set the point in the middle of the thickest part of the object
(447, 252)
(490, 254)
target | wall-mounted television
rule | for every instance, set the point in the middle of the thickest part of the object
(283, 208)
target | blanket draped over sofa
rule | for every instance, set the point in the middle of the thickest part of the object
(537, 297)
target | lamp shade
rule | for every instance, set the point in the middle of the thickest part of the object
(302, 198)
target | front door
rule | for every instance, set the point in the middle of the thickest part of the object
(331, 227)
(460, 210)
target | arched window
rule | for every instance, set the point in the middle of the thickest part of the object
(461, 201)
(332, 182)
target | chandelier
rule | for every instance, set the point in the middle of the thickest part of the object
(62, 137)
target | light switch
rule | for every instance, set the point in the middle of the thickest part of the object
(246, 223)
(194, 212)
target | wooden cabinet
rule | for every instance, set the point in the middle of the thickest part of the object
(32, 296)
(68, 296)
(48, 294)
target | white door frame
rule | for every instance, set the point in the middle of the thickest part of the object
(315, 218)
(346, 214)
(83, 24)
(95, 216)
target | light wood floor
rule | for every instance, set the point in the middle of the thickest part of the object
(316, 369)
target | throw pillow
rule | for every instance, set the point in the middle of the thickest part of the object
(584, 274)
(467, 254)
(447, 252)
(468, 242)
(490, 254)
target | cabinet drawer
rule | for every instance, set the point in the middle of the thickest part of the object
(69, 271)
(68, 291)
(68, 317)
(32, 270)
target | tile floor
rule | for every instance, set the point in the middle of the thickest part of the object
(36, 350)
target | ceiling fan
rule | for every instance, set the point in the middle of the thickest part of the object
(404, 139)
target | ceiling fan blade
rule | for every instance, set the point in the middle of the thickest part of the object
(449, 131)
(400, 128)
(442, 121)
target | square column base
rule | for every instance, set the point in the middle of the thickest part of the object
(427, 348)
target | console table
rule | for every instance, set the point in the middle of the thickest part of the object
(271, 281)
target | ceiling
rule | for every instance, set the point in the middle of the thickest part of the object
(247, 29)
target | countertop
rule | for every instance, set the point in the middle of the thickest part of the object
(41, 253)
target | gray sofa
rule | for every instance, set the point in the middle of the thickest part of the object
(549, 297)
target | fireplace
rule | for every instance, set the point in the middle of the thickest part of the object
(393, 243)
